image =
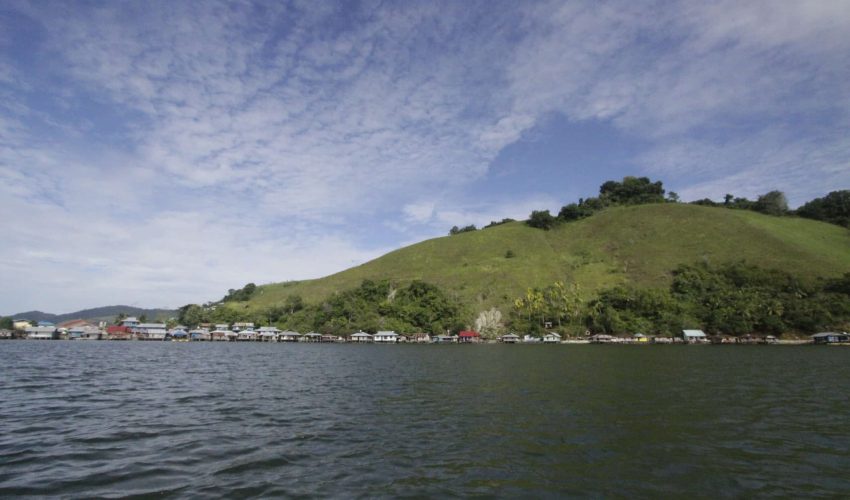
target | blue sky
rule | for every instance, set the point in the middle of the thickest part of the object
(158, 153)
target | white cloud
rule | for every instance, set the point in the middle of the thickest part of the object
(258, 142)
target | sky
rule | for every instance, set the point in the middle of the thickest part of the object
(158, 153)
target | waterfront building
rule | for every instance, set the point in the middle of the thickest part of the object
(178, 334)
(329, 338)
(289, 336)
(199, 335)
(385, 337)
(551, 338)
(311, 337)
(694, 336)
(116, 332)
(150, 331)
(6, 334)
(88, 332)
(248, 335)
(444, 339)
(219, 335)
(131, 322)
(361, 337)
(469, 337)
(509, 338)
(269, 333)
(243, 326)
(41, 332)
(831, 338)
(420, 338)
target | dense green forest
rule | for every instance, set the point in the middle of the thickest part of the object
(732, 299)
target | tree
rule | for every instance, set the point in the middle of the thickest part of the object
(6, 323)
(465, 229)
(541, 219)
(833, 208)
(575, 211)
(191, 315)
(632, 191)
(293, 304)
(772, 203)
(673, 197)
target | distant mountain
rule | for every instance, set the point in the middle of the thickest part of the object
(107, 313)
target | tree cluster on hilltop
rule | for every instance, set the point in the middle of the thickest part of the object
(833, 208)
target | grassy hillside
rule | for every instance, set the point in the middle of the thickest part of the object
(638, 245)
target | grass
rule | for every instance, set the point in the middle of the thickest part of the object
(635, 245)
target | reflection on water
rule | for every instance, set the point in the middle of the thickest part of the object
(109, 418)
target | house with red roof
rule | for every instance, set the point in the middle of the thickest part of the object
(469, 337)
(118, 333)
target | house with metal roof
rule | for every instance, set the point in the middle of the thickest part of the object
(509, 338)
(88, 332)
(220, 335)
(199, 335)
(150, 331)
(289, 336)
(41, 332)
(694, 337)
(831, 338)
(551, 338)
(361, 337)
(444, 339)
(385, 337)
(247, 335)
(132, 321)
(268, 333)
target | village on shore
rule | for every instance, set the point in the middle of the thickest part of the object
(133, 329)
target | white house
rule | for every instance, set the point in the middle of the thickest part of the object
(41, 332)
(311, 337)
(551, 338)
(509, 338)
(243, 326)
(246, 335)
(132, 321)
(151, 331)
(361, 337)
(289, 336)
(444, 339)
(219, 335)
(694, 336)
(385, 337)
(268, 333)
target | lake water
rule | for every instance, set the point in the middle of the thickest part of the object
(82, 419)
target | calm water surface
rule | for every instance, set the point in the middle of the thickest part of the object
(82, 419)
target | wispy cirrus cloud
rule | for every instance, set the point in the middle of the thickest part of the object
(162, 152)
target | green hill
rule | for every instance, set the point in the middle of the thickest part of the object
(639, 245)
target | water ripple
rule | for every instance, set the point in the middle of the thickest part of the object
(102, 419)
